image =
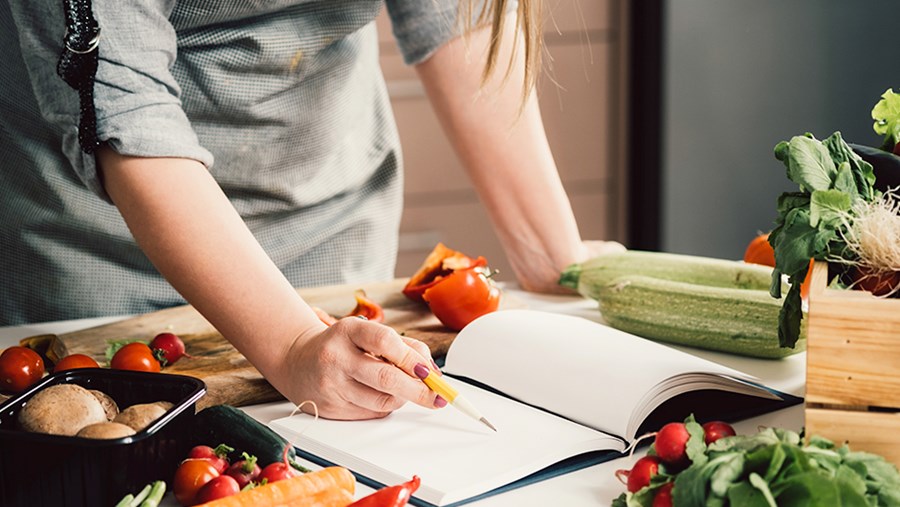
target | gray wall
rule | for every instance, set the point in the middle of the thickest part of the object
(740, 76)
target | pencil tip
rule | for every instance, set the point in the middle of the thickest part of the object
(488, 424)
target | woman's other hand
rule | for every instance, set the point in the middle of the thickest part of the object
(355, 369)
(538, 273)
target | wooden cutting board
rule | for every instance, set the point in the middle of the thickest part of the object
(229, 377)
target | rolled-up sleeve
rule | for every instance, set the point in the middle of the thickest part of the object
(136, 97)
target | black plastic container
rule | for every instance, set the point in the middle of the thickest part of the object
(53, 470)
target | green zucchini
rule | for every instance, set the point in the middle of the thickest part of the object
(726, 319)
(587, 278)
(224, 424)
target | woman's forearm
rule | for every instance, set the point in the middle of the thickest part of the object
(193, 235)
(504, 149)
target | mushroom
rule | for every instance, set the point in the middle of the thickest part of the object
(105, 431)
(61, 409)
(141, 415)
(108, 404)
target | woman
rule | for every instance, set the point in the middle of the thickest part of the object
(249, 148)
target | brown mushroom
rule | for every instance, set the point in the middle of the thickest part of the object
(108, 404)
(141, 415)
(61, 409)
(105, 431)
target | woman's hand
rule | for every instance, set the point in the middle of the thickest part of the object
(538, 273)
(341, 369)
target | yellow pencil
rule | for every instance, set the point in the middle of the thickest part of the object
(440, 386)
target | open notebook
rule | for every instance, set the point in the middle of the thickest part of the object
(562, 391)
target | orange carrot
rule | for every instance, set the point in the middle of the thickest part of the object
(327, 498)
(285, 492)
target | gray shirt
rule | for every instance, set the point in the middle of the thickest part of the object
(283, 101)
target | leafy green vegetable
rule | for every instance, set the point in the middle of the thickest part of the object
(832, 178)
(773, 468)
(886, 114)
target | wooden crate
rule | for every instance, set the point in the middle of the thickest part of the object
(853, 368)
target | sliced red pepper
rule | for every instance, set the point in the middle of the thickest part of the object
(367, 308)
(440, 262)
(390, 496)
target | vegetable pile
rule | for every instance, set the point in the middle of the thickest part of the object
(692, 465)
(838, 215)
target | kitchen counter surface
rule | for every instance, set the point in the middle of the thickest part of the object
(593, 486)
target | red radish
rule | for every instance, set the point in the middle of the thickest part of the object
(245, 470)
(278, 471)
(641, 472)
(715, 430)
(218, 457)
(671, 443)
(218, 487)
(663, 497)
(169, 346)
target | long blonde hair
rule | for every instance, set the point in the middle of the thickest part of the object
(528, 22)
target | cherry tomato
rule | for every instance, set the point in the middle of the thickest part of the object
(218, 456)
(73, 361)
(135, 356)
(20, 368)
(216, 488)
(169, 346)
(463, 296)
(191, 475)
(714, 430)
(276, 472)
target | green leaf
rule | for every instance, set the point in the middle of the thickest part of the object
(794, 245)
(790, 317)
(775, 463)
(619, 501)
(696, 444)
(844, 181)
(886, 114)
(811, 166)
(828, 206)
(727, 473)
(763, 487)
(790, 200)
(862, 172)
(745, 495)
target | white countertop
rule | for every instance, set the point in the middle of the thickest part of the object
(593, 486)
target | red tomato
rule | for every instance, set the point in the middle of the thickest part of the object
(462, 296)
(20, 368)
(135, 356)
(759, 251)
(73, 361)
(216, 488)
(192, 474)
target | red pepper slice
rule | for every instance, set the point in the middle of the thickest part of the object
(367, 308)
(390, 496)
(440, 263)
